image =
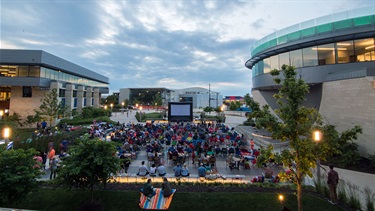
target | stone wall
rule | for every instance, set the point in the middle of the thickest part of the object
(346, 103)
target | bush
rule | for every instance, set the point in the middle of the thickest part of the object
(354, 197)
(342, 195)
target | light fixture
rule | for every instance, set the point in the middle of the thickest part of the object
(343, 44)
(317, 135)
(6, 111)
(372, 46)
(327, 49)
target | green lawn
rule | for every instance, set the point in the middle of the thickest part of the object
(50, 199)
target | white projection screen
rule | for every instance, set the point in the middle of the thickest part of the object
(180, 112)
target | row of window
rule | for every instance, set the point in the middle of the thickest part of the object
(27, 91)
(43, 72)
(360, 50)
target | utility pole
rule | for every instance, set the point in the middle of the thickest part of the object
(209, 95)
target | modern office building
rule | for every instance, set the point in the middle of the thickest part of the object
(335, 56)
(197, 95)
(27, 75)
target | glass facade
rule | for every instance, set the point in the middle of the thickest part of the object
(43, 72)
(360, 50)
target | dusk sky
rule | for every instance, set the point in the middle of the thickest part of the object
(154, 43)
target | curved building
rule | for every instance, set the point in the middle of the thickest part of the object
(335, 55)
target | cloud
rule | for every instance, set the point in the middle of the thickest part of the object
(173, 44)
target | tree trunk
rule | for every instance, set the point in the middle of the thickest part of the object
(299, 194)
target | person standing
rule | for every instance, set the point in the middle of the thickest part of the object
(53, 168)
(332, 181)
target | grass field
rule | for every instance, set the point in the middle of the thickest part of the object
(58, 199)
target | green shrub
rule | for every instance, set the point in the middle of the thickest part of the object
(88, 121)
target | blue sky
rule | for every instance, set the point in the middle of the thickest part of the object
(158, 43)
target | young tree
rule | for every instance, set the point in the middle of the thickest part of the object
(91, 163)
(18, 175)
(51, 108)
(297, 125)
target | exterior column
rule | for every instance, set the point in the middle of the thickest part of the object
(80, 91)
(54, 85)
(69, 96)
(96, 98)
(89, 96)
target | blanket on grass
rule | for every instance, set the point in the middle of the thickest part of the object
(158, 202)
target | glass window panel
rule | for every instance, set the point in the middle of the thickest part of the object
(284, 59)
(61, 92)
(282, 39)
(326, 54)
(23, 71)
(48, 73)
(267, 65)
(343, 24)
(27, 91)
(296, 58)
(364, 49)
(345, 52)
(310, 57)
(294, 36)
(324, 28)
(34, 71)
(275, 62)
(74, 93)
(366, 20)
(42, 72)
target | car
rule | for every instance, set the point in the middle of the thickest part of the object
(130, 107)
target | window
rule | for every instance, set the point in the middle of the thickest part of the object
(364, 49)
(74, 93)
(27, 91)
(61, 92)
(23, 71)
(275, 62)
(84, 94)
(296, 58)
(284, 59)
(326, 54)
(310, 57)
(345, 52)
(34, 71)
(267, 65)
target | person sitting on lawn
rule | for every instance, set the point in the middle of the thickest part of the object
(166, 188)
(153, 170)
(148, 190)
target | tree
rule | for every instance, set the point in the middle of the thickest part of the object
(158, 101)
(18, 175)
(247, 99)
(208, 109)
(51, 108)
(91, 163)
(297, 125)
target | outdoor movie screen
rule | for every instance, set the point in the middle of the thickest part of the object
(180, 111)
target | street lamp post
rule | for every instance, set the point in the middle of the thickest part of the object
(122, 109)
(1, 114)
(112, 108)
(156, 105)
(317, 136)
(140, 114)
